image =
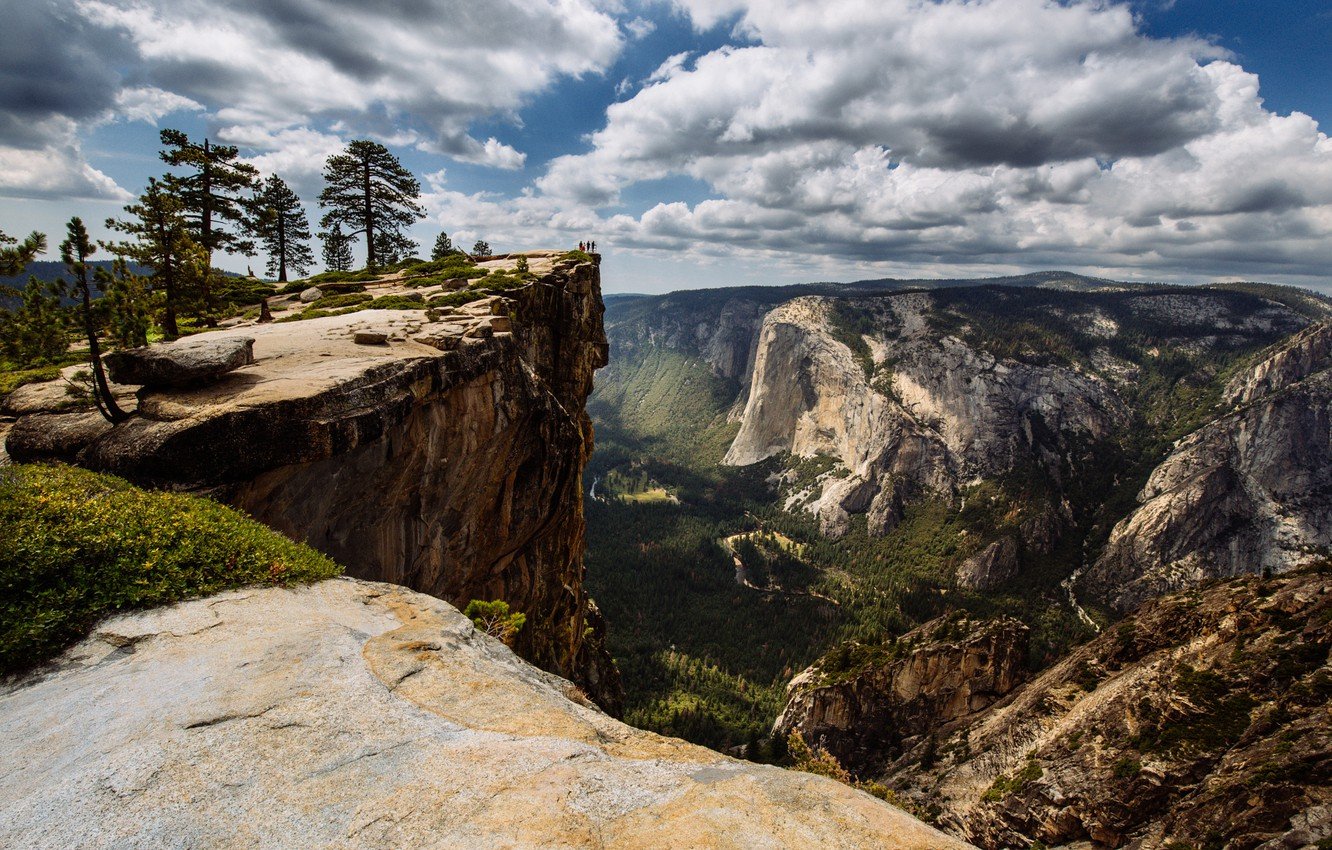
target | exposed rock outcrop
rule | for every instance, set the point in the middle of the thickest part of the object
(183, 363)
(1199, 721)
(364, 715)
(448, 460)
(993, 565)
(1249, 492)
(862, 703)
(1288, 363)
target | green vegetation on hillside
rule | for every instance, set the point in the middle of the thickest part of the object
(80, 545)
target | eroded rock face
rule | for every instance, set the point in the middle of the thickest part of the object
(363, 715)
(1249, 492)
(861, 704)
(448, 460)
(1199, 721)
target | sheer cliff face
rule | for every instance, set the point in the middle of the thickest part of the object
(931, 414)
(449, 461)
(1249, 492)
(1198, 721)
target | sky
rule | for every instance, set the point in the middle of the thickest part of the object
(722, 142)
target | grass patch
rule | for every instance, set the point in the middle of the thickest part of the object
(12, 379)
(81, 545)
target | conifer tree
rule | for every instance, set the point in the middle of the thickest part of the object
(161, 240)
(443, 247)
(35, 332)
(280, 221)
(74, 253)
(15, 255)
(337, 250)
(128, 301)
(481, 248)
(373, 195)
(215, 191)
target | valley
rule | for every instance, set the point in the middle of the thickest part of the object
(878, 458)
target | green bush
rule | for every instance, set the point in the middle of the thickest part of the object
(341, 277)
(397, 302)
(454, 265)
(576, 256)
(81, 545)
(330, 302)
(457, 299)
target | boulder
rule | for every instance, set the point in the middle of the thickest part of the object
(187, 362)
(314, 293)
(370, 338)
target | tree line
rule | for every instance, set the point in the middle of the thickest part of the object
(209, 201)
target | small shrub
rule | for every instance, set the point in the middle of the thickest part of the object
(329, 302)
(397, 302)
(815, 760)
(1127, 767)
(456, 299)
(494, 619)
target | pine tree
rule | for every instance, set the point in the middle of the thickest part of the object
(280, 221)
(215, 191)
(481, 248)
(161, 240)
(337, 249)
(443, 247)
(15, 255)
(74, 253)
(35, 332)
(370, 192)
(128, 300)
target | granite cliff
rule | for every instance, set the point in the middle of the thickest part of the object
(447, 459)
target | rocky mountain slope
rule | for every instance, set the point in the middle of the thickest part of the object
(1201, 720)
(364, 715)
(447, 459)
(1248, 492)
(862, 704)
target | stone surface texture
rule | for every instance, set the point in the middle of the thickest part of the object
(359, 715)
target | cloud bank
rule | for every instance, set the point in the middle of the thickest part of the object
(1022, 132)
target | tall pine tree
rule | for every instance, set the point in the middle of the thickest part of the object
(280, 221)
(215, 190)
(373, 195)
(74, 253)
(160, 239)
(337, 249)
